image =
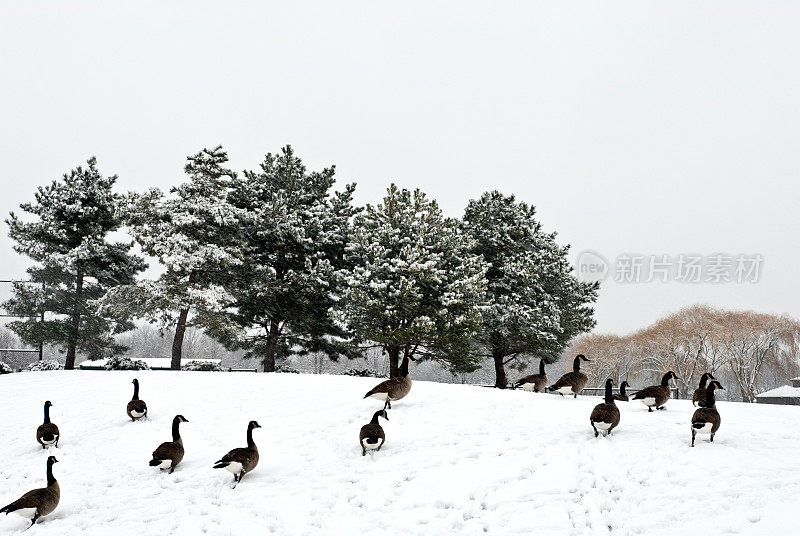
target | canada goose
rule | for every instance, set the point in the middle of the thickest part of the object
(699, 395)
(622, 396)
(241, 461)
(393, 388)
(170, 453)
(47, 434)
(372, 436)
(136, 408)
(605, 416)
(534, 382)
(706, 420)
(571, 382)
(656, 395)
(38, 502)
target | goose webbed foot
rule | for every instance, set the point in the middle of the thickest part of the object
(649, 409)
(661, 407)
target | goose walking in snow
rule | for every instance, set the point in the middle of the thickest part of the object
(393, 388)
(38, 502)
(169, 454)
(47, 434)
(706, 419)
(534, 382)
(605, 416)
(656, 396)
(572, 382)
(136, 408)
(241, 461)
(699, 395)
(372, 436)
(622, 396)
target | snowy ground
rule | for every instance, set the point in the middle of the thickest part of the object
(457, 460)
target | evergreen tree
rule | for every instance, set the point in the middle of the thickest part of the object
(536, 304)
(75, 263)
(191, 233)
(415, 289)
(292, 232)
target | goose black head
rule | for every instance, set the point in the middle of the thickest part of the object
(624, 384)
(51, 460)
(181, 418)
(715, 385)
(673, 375)
(135, 381)
(48, 404)
(384, 414)
(609, 382)
(253, 424)
(581, 356)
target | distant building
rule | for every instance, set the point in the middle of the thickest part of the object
(788, 395)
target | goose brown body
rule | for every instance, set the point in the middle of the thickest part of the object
(393, 388)
(534, 382)
(47, 433)
(706, 420)
(38, 502)
(622, 396)
(169, 454)
(242, 460)
(136, 408)
(572, 382)
(605, 416)
(699, 395)
(372, 436)
(656, 396)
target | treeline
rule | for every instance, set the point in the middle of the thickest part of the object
(275, 262)
(748, 352)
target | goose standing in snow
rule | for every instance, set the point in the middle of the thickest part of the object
(136, 408)
(656, 396)
(571, 382)
(393, 388)
(372, 436)
(605, 416)
(699, 395)
(38, 502)
(169, 454)
(622, 396)
(241, 461)
(706, 419)
(534, 382)
(47, 434)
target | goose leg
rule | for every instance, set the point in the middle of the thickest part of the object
(649, 409)
(596, 433)
(575, 395)
(693, 435)
(712, 438)
(363, 451)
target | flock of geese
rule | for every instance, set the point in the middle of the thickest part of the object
(240, 461)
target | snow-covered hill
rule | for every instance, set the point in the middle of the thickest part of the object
(457, 460)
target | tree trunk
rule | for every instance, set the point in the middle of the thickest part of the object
(75, 324)
(499, 371)
(394, 361)
(177, 340)
(272, 345)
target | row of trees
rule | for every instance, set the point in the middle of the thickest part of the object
(275, 261)
(750, 352)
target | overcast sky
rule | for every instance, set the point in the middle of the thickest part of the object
(634, 127)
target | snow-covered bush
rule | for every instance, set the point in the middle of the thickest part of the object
(203, 366)
(47, 364)
(289, 370)
(361, 373)
(5, 369)
(125, 363)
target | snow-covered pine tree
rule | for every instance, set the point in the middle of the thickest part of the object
(192, 233)
(415, 288)
(75, 263)
(536, 304)
(293, 231)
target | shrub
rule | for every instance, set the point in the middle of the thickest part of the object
(5, 369)
(203, 366)
(47, 364)
(362, 373)
(125, 363)
(287, 370)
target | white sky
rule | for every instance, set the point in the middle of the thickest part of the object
(633, 127)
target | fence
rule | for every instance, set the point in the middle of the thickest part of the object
(3, 314)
